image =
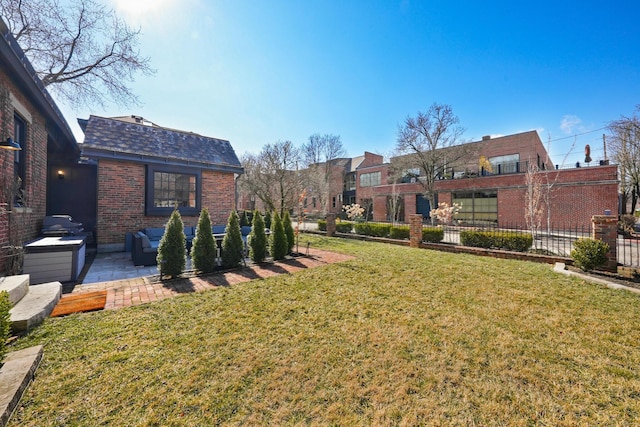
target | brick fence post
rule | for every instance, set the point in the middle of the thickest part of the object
(415, 230)
(605, 228)
(331, 224)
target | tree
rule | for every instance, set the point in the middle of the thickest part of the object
(278, 239)
(318, 155)
(430, 138)
(203, 251)
(625, 144)
(267, 219)
(172, 247)
(257, 239)
(288, 231)
(81, 50)
(232, 244)
(271, 175)
(533, 207)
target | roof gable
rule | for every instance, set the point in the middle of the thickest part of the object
(115, 138)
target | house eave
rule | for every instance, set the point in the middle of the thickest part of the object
(27, 80)
(97, 154)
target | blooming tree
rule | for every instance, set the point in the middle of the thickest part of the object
(354, 211)
(445, 213)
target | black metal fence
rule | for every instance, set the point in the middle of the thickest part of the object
(628, 250)
(558, 240)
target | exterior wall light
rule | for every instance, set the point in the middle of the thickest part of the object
(10, 144)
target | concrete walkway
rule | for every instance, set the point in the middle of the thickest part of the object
(140, 290)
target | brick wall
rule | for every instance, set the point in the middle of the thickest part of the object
(577, 194)
(121, 201)
(25, 224)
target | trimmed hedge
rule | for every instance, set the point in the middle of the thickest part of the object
(322, 225)
(372, 229)
(399, 232)
(343, 227)
(432, 234)
(507, 240)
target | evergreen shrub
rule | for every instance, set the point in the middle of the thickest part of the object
(507, 240)
(288, 231)
(244, 220)
(589, 254)
(257, 239)
(399, 232)
(322, 224)
(203, 250)
(267, 220)
(232, 244)
(343, 227)
(172, 248)
(372, 229)
(278, 239)
(5, 323)
(432, 234)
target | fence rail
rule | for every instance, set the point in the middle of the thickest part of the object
(559, 240)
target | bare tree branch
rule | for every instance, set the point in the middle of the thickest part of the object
(271, 175)
(319, 154)
(82, 51)
(431, 142)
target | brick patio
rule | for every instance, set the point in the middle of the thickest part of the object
(129, 292)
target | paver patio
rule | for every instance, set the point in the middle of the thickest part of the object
(140, 290)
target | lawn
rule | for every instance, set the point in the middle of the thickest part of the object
(397, 336)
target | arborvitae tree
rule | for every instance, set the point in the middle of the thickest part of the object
(172, 249)
(267, 220)
(257, 239)
(203, 250)
(288, 231)
(232, 245)
(278, 238)
(244, 221)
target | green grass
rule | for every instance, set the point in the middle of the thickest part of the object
(398, 336)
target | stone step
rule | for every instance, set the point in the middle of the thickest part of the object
(16, 286)
(34, 307)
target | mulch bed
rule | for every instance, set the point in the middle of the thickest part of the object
(611, 277)
(80, 303)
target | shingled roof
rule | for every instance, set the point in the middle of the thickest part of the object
(146, 142)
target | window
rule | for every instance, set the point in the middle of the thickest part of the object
(479, 207)
(333, 202)
(350, 182)
(20, 164)
(168, 188)
(505, 164)
(370, 179)
(313, 201)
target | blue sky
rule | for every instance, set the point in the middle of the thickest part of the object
(255, 72)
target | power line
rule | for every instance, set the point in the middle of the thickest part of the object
(578, 134)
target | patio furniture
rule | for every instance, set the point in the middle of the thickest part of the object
(143, 251)
(50, 259)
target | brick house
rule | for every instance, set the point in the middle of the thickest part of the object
(31, 118)
(144, 170)
(343, 185)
